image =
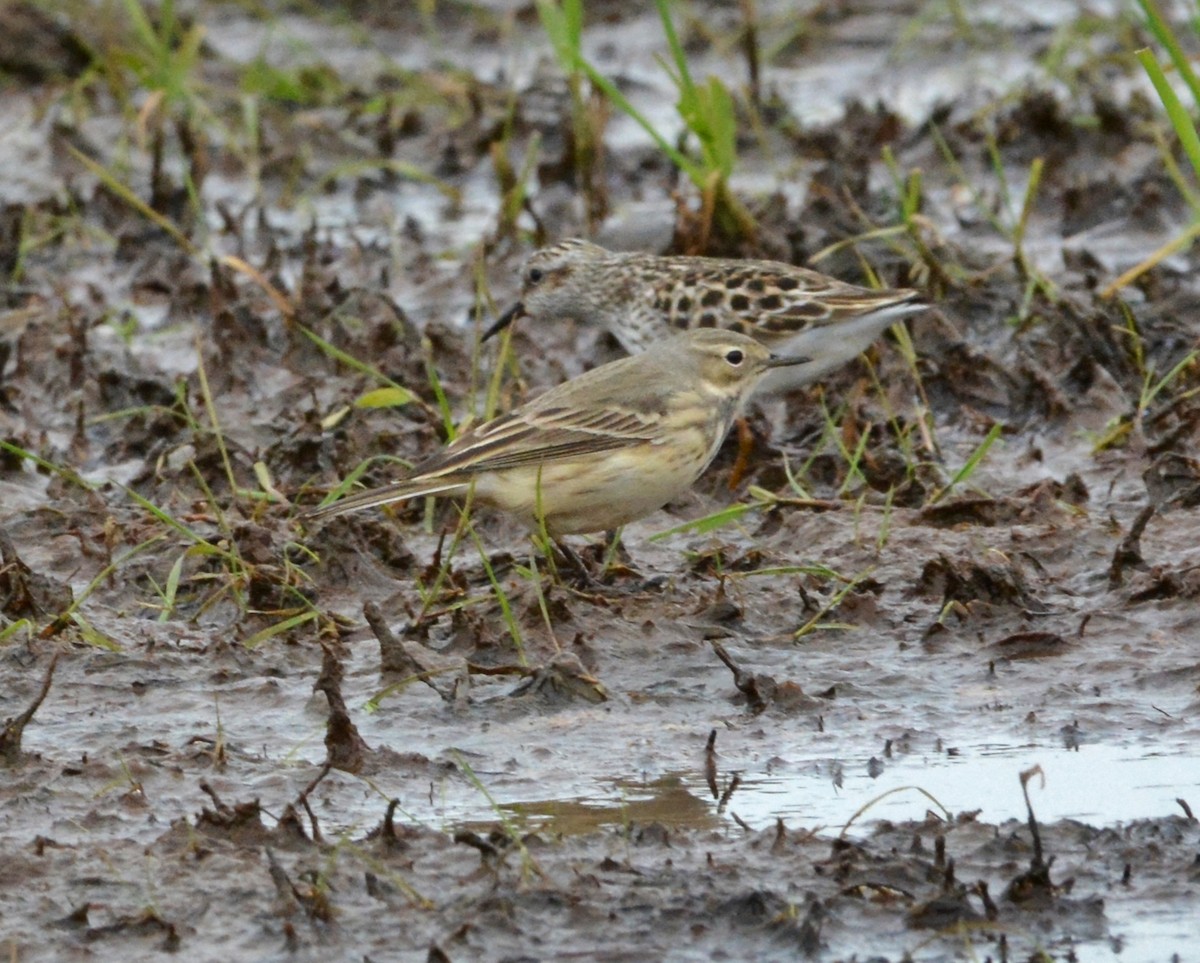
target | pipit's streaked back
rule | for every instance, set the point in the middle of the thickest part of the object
(602, 449)
(642, 299)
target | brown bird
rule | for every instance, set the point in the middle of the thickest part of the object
(602, 449)
(642, 299)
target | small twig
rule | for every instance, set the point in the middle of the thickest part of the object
(750, 49)
(14, 729)
(710, 764)
(1129, 552)
(302, 799)
(395, 656)
(346, 749)
(989, 905)
(220, 803)
(758, 689)
(283, 885)
(729, 791)
(388, 831)
(1038, 861)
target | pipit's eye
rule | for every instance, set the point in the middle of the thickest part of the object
(735, 357)
(535, 276)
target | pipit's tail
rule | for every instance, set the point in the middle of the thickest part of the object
(372, 497)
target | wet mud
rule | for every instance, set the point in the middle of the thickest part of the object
(930, 692)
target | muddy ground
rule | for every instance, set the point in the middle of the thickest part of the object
(969, 563)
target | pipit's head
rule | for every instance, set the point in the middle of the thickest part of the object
(723, 363)
(558, 281)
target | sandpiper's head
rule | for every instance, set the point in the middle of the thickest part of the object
(555, 282)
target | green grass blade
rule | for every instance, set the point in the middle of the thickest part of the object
(815, 570)
(348, 359)
(1177, 114)
(1031, 189)
(172, 589)
(278, 629)
(708, 523)
(353, 170)
(683, 77)
(9, 631)
(200, 541)
(439, 393)
(72, 610)
(1166, 36)
(815, 622)
(130, 198)
(968, 468)
(694, 171)
(390, 397)
(93, 636)
(66, 474)
(1151, 393)
(563, 24)
(510, 620)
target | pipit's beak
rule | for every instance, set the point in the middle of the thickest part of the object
(783, 361)
(502, 322)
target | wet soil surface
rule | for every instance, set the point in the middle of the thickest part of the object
(911, 703)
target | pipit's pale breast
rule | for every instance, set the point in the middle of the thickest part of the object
(642, 299)
(602, 449)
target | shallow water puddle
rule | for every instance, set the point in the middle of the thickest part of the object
(1097, 785)
(1100, 785)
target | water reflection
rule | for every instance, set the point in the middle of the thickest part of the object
(1096, 784)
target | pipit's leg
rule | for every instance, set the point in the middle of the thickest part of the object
(589, 582)
(586, 579)
(617, 564)
(745, 446)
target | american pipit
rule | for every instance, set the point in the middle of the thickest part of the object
(643, 298)
(602, 449)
